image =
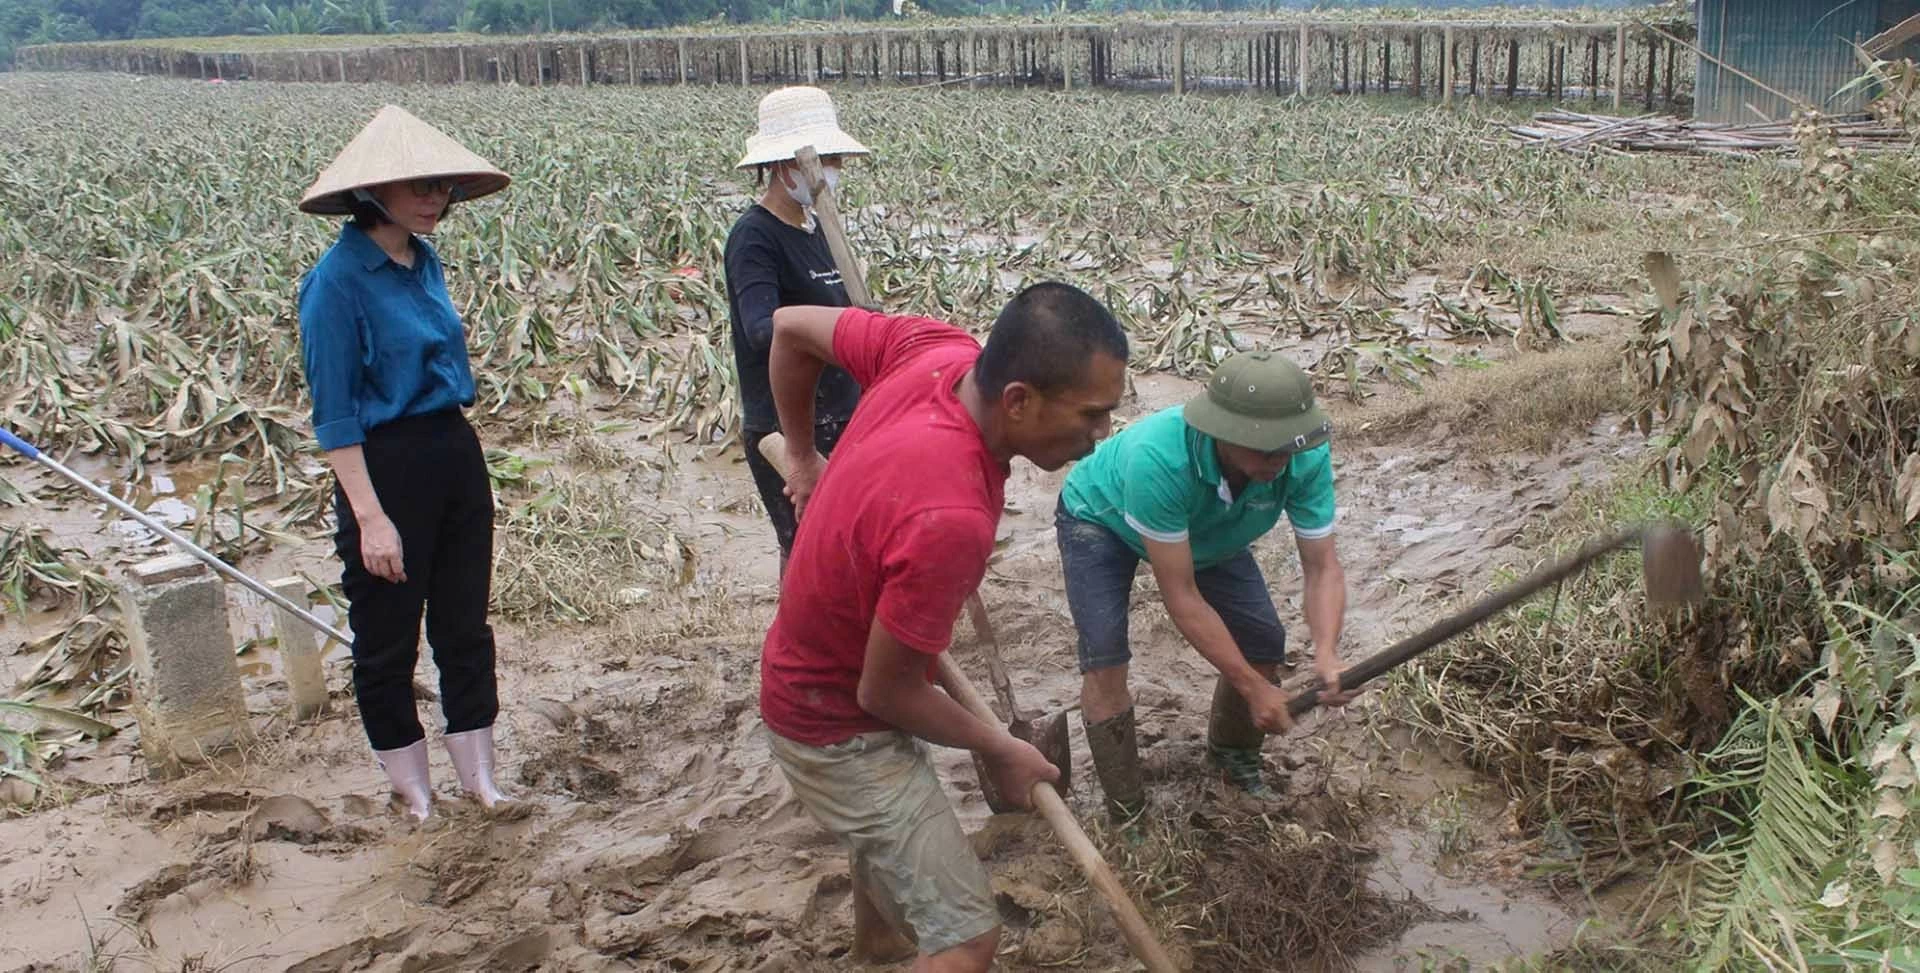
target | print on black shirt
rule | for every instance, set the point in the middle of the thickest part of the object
(772, 265)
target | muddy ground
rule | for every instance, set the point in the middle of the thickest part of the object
(659, 836)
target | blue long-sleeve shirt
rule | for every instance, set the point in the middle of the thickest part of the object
(379, 341)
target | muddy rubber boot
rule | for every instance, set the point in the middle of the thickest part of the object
(1233, 742)
(407, 771)
(1116, 761)
(472, 753)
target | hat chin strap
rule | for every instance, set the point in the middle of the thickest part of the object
(370, 199)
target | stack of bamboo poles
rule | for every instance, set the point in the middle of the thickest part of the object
(1578, 132)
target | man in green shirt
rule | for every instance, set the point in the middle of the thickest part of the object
(1189, 489)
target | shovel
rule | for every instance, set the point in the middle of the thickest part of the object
(1048, 734)
(1046, 800)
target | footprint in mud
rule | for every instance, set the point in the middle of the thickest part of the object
(138, 900)
(229, 863)
(210, 802)
(564, 771)
(285, 817)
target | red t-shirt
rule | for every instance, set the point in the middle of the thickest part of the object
(899, 528)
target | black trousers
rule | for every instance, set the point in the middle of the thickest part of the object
(773, 489)
(431, 478)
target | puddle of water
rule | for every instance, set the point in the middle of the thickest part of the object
(1502, 924)
(168, 480)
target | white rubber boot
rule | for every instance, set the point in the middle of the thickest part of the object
(472, 753)
(407, 770)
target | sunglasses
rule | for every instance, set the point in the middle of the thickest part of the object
(423, 188)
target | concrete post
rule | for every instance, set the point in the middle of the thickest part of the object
(743, 62)
(186, 687)
(682, 50)
(340, 62)
(1446, 66)
(1305, 63)
(1066, 63)
(461, 52)
(300, 653)
(1179, 61)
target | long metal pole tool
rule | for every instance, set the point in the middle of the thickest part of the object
(226, 570)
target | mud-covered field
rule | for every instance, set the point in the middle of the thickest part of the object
(1462, 301)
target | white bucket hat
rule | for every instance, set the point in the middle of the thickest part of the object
(394, 147)
(792, 118)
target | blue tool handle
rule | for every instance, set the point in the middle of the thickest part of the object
(18, 445)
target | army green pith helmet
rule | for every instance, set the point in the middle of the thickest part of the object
(1260, 400)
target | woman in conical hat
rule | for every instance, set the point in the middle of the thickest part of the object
(385, 357)
(776, 258)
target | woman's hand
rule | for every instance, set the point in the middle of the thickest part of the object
(380, 550)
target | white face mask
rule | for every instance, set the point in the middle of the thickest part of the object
(801, 191)
(797, 187)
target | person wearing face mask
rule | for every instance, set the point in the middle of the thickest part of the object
(385, 359)
(775, 258)
(1189, 489)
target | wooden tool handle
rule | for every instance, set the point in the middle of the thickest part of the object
(1046, 800)
(990, 650)
(826, 211)
(1376, 665)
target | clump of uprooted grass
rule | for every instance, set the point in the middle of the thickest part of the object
(579, 550)
(1530, 403)
(1245, 890)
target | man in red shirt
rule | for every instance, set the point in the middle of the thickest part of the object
(890, 544)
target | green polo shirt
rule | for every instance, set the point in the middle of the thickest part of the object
(1161, 478)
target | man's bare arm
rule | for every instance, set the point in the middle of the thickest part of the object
(1202, 626)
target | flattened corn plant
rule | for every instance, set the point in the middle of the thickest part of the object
(151, 255)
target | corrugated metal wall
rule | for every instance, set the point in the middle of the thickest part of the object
(1798, 46)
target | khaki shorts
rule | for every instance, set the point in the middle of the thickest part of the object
(878, 794)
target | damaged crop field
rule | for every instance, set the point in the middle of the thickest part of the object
(1521, 348)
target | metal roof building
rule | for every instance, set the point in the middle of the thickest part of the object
(1804, 48)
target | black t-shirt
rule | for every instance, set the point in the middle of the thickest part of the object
(772, 265)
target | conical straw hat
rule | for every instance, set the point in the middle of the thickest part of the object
(396, 146)
(793, 118)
